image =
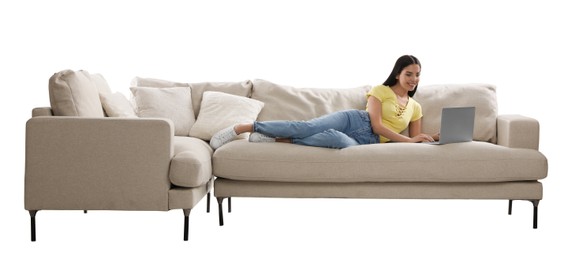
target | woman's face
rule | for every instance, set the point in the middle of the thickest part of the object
(409, 77)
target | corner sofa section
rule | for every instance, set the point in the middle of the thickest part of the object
(91, 149)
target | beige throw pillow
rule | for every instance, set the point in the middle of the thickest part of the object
(101, 83)
(220, 110)
(173, 103)
(242, 88)
(117, 105)
(75, 93)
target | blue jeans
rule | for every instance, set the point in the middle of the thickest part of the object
(336, 130)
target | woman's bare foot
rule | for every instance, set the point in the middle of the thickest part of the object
(243, 128)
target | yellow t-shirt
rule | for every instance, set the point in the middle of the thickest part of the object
(395, 116)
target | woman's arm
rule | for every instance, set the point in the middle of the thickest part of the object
(376, 113)
(415, 128)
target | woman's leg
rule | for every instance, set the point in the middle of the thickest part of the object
(339, 121)
(346, 121)
(330, 138)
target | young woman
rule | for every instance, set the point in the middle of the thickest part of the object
(390, 110)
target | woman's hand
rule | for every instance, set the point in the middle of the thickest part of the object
(421, 138)
(436, 137)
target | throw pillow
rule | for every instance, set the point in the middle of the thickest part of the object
(101, 83)
(242, 88)
(172, 103)
(220, 110)
(117, 105)
(74, 93)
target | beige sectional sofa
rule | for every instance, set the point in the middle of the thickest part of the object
(93, 149)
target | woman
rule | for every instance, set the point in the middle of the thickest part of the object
(390, 110)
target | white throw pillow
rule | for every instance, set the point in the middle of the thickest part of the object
(242, 88)
(173, 103)
(117, 105)
(220, 110)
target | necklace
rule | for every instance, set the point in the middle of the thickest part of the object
(399, 110)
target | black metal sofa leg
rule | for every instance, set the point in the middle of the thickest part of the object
(186, 224)
(208, 202)
(33, 224)
(510, 207)
(220, 202)
(535, 211)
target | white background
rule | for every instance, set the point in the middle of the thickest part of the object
(517, 45)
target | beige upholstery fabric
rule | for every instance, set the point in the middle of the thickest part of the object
(242, 88)
(117, 105)
(529, 190)
(518, 131)
(191, 164)
(97, 163)
(75, 93)
(291, 103)
(156, 83)
(101, 83)
(220, 110)
(187, 198)
(392, 162)
(171, 103)
(482, 96)
(42, 111)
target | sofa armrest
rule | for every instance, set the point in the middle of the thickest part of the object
(517, 131)
(97, 163)
(42, 111)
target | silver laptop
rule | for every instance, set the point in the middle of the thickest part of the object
(457, 125)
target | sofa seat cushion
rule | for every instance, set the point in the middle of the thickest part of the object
(391, 162)
(191, 163)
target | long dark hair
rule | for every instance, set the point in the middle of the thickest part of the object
(400, 64)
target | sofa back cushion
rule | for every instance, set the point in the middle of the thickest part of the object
(291, 103)
(170, 103)
(242, 88)
(117, 105)
(482, 96)
(101, 83)
(76, 93)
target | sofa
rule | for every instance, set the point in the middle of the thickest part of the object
(94, 149)
(503, 161)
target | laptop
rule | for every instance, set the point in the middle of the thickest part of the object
(457, 125)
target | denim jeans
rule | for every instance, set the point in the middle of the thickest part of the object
(336, 130)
